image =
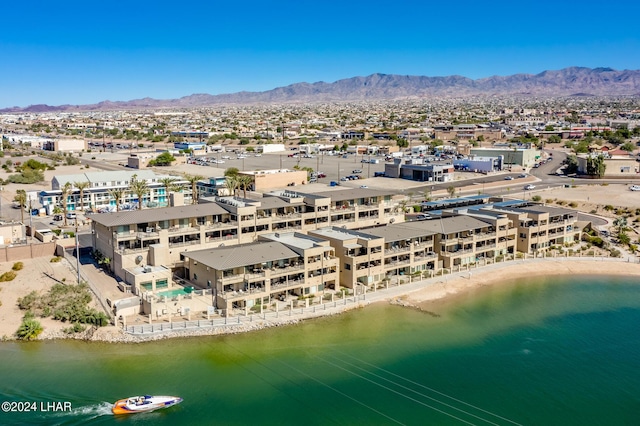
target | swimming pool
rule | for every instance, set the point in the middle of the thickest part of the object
(180, 291)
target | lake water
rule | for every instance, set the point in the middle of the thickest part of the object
(554, 351)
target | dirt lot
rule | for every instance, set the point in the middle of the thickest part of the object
(32, 277)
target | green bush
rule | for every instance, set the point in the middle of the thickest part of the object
(8, 276)
(76, 328)
(30, 328)
(55, 259)
(18, 266)
(27, 303)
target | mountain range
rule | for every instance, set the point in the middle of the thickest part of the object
(572, 81)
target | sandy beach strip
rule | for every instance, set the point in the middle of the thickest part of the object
(446, 287)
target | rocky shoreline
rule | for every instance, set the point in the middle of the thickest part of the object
(113, 334)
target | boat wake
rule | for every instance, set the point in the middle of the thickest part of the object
(90, 412)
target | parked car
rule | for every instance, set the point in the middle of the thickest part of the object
(71, 215)
(635, 187)
(356, 171)
(508, 178)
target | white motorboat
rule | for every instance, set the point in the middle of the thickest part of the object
(143, 404)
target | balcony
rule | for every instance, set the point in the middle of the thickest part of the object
(217, 225)
(145, 235)
(287, 215)
(183, 230)
(240, 294)
(398, 249)
(339, 209)
(395, 263)
(456, 253)
(285, 285)
(277, 271)
(123, 236)
(231, 279)
(133, 250)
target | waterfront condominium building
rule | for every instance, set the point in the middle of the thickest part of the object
(162, 236)
(276, 266)
(540, 226)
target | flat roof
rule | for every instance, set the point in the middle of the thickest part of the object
(344, 234)
(398, 232)
(157, 214)
(447, 225)
(222, 258)
(351, 194)
(295, 239)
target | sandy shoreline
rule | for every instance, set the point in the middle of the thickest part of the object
(420, 294)
(504, 274)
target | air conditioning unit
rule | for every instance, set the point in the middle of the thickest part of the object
(146, 268)
(150, 229)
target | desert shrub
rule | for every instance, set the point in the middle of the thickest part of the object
(536, 198)
(549, 200)
(17, 266)
(30, 328)
(573, 204)
(561, 202)
(27, 303)
(608, 207)
(55, 259)
(75, 328)
(8, 276)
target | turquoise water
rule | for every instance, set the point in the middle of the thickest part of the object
(544, 352)
(171, 293)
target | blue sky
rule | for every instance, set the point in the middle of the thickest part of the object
(59, 52)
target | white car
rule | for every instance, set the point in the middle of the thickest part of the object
(635, 187)
(529, 187)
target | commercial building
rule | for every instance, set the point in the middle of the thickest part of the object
(96, 196)
(265, 180)
(512, 155)
(419, 170)
(65, 145)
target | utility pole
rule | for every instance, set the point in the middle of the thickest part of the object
(30, 220)
(77, 251)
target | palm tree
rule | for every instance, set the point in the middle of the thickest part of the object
(169, 185)
(621, 223)
(64, 199)
(81, 187)
(193, 180)
(117, 194)
(232, 184)
(244, 181)
(21, 199)
(140, 188)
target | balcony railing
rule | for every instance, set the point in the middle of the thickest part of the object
(181, 230)
(133, 250)
(143, 235)
(216, 225)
